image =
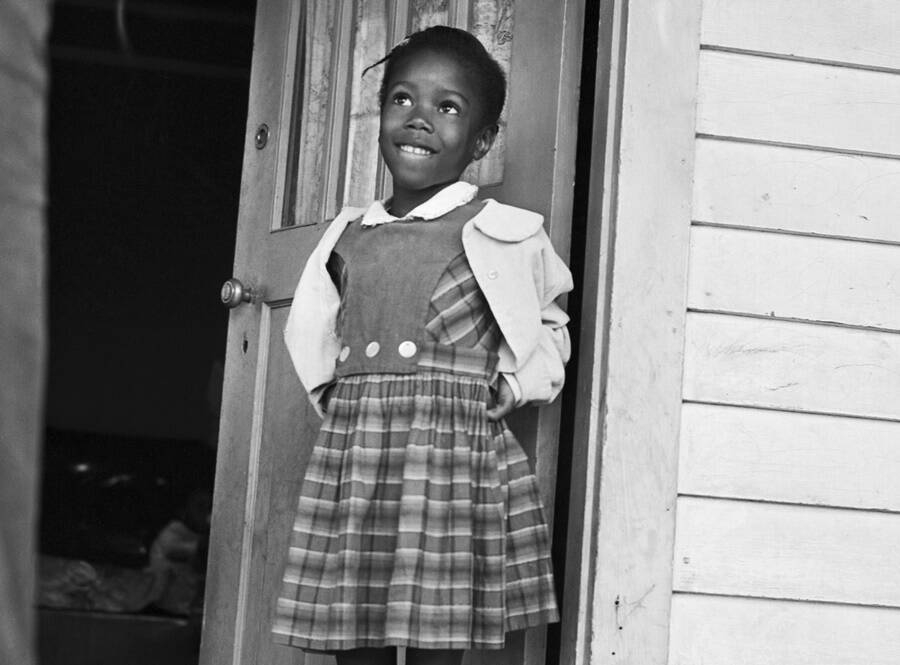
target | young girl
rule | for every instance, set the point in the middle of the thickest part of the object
(417, 325)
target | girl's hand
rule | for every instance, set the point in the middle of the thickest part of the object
(506, 401)
(326, 397)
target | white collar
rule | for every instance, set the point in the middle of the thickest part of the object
(449, 198)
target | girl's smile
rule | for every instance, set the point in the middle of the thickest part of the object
(416, 150)
(431, 128)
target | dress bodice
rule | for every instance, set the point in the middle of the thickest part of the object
(409, 299)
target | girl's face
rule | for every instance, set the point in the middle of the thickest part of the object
(431, 126)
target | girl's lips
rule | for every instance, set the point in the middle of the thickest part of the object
(415, 149)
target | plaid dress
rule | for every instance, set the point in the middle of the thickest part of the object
(419, 521)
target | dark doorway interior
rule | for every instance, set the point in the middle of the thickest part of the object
(146, 129)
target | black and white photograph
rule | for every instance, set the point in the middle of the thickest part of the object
(449, 332)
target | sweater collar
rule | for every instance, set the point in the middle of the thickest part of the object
(507, 223)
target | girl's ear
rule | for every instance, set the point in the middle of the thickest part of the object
(484, 141)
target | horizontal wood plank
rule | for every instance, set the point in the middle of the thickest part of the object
(789, 457)
(807, 191)
(798, 103)
(739, 631)
(788, 365)
(784, 551)
(790, 276)
(858, 32)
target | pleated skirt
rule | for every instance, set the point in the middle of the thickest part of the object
(419, 523)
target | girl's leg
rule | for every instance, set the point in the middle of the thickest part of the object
(433, 656)
(367, 657)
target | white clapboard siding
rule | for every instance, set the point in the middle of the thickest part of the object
(790, 276)
(858, 32)
(788, 365)
(798, 102)
(808, 191)
(789, 457)
(771, 550)
(708, 630)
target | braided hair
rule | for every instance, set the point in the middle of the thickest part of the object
(465, 49)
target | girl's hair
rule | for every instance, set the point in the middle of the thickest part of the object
(462, 47)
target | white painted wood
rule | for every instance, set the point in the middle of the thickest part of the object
(798, 102)
(797, 366)
(807, 191)
(789, 276)
(790, 457)
(738, 631)
(860, 32)
(650, 165)
(784, 551)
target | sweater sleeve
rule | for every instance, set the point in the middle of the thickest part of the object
(542, 374)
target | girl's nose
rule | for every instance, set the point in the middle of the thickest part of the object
(419, 121)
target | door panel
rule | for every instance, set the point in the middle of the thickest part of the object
(320, 153)
(283, 427)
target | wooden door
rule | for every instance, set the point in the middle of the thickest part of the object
(311, 148)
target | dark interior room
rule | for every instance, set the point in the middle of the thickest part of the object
(146, 120)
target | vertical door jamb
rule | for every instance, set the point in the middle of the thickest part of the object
(577, 613)
(619, 568)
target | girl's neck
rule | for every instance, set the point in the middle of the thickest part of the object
(404, 201)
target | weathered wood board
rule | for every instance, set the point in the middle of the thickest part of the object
(789, 276)
(767, 550)
(799, 103)
(643, 194)
(804, 191)
(794, 366)
(789, 457)
(859, 32)
(712, 630)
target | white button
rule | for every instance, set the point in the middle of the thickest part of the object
(407, 349)
(372, 349)
(344, 353)
(492, 274)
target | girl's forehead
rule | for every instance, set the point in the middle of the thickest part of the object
(433, 66)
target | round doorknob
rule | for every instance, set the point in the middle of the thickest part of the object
(234, 293)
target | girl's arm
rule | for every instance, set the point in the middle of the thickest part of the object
(541, 376)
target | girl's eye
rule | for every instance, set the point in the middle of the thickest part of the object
(450, 108)
(402, 99)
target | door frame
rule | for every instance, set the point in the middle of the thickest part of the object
(618, 585)
(529, 182)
